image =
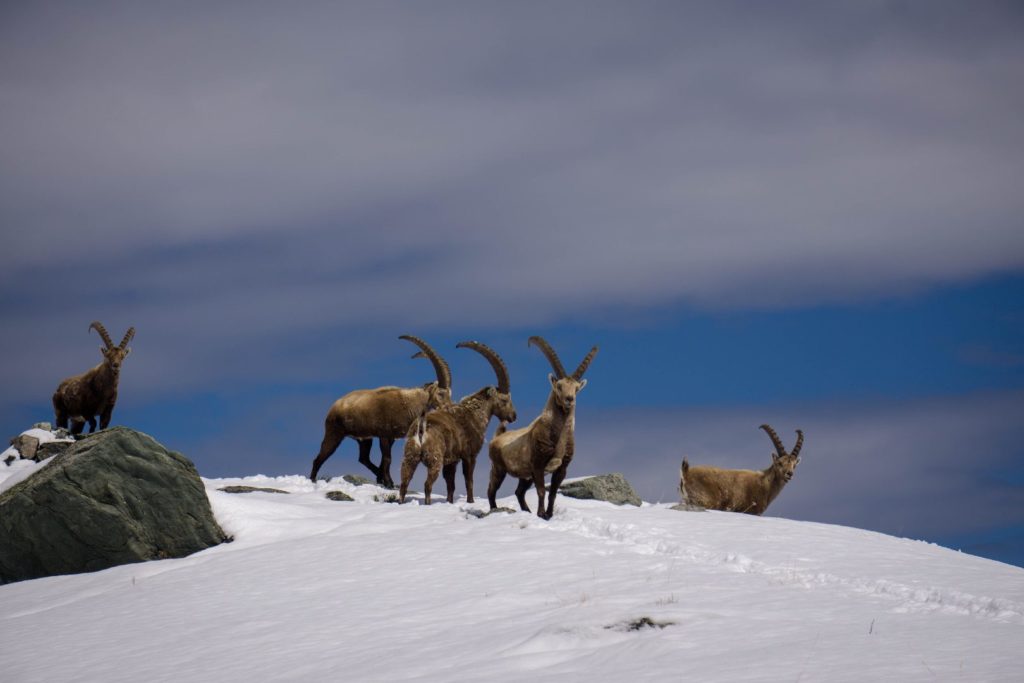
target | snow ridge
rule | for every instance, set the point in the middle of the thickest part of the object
(909, 597)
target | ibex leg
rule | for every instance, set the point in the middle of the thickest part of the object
(556, 479)
(449, 479)
(364, 457)
(385, 461)
(497, 477)
(521, 489)
(332, 439)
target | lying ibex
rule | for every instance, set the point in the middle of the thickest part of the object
(546, 444)
(385, 413)
(82, 397)
(746, 491)
(455, 433)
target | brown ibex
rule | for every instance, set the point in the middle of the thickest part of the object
(94, 392)
(384, 413)
(746, 491)
(455, 433)
(546, 445)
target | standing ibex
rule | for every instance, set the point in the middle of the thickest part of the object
(384, 413)
(546, 444)
(746, 491)
(455, 433)
(94, 392)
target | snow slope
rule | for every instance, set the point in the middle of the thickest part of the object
(314, 589)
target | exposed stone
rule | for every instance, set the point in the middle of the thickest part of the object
(45, 426)
(249, 489)
(687, 507)
(612, 488)
(115, 497)
(26, 446)
(338, 495)
(356, 480)
(51, 448)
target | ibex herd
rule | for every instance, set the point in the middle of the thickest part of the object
(441, 434)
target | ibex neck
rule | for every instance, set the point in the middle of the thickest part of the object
(477, 409)
(559, 415)
(773, 483)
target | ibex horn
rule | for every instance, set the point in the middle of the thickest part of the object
(549, 352)
(578, 375)
(444, 374)
(500, 371)
(779, 448)
(95, 324)
(128, 336)
(799, 443)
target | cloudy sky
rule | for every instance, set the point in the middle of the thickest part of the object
(802, 213)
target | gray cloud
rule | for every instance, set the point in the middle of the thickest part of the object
(712, 155)
(245, 181)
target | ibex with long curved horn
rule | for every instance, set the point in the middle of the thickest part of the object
(455, 433)
(94, 392)
(746, 491)
(547, 444)
(384, 413)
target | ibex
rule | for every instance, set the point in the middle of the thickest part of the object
(384, 413)
(746, 491)
(455, 433)
(546, 445)
(94, 392)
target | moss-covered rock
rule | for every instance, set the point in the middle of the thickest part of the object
(115, 497)
(612, 488)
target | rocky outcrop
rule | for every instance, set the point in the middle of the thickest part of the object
(612, 488)
(114, 497)
(38, 443)
(338, 495)
(240, 488)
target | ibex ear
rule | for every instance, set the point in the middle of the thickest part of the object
(583, 383)
(552, 378)
(127, 351)
(103, 350)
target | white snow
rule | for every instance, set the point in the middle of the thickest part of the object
(313, 589)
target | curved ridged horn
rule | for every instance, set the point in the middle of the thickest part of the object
(549, 352)
(779, 448)
(95, 325)
(584, 364)
(127, 338)
(500, 371)
(799, 443)
(444, 374)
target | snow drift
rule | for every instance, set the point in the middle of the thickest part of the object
(371, 591)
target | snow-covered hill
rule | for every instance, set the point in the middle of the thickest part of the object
(314, 589)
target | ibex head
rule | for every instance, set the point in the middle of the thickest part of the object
(564, 386)
(785, 463)
(500, 396)
(113, 355)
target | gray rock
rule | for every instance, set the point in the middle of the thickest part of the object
(26, 446)
(356, 480)
(9, 459)
(338, 495)
(51, 448)
(115, 497)
(249, 489)
(43, 425)
(687, 507)
(612, 488)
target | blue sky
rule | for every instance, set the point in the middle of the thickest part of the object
(801, 214)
